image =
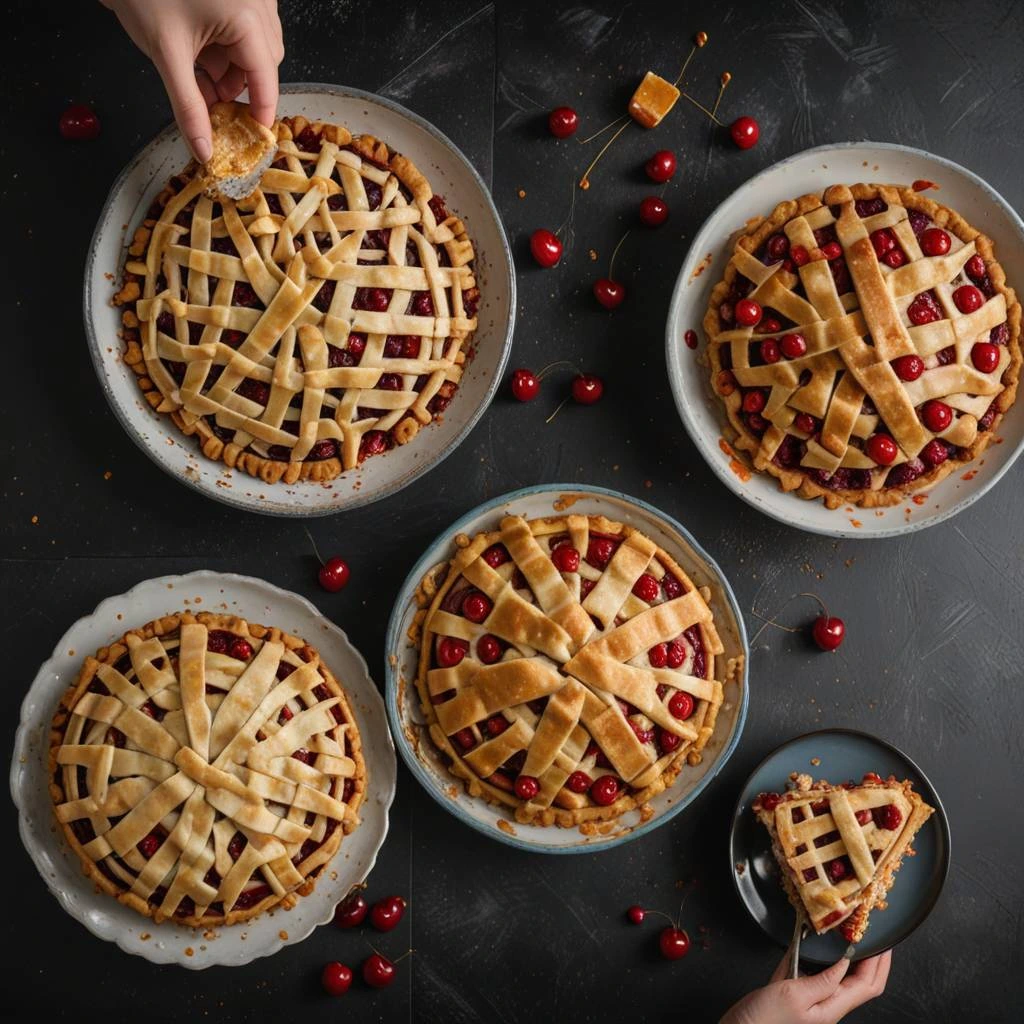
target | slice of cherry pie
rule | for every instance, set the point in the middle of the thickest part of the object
(205, 768)
(567, 667)
(865, 343)
(839, 847)
(319, 321)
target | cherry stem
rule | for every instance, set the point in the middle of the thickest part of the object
(583, 142)
(408, 952)
(615, 252)
(725, 80)
(686, 64)
(557, 410)
(585, 180)
(316, 550)
(700, 106)
(661, 913)
(770, 620)
(552, 366)
(568, 220)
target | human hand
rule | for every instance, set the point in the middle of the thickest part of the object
(208, 50)
(813, 999)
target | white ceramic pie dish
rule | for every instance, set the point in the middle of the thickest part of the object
(703, 414)
(451, 175)
(61, 869)
(403, 705)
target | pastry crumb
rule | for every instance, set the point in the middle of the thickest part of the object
(506, 827)
(815, 761)
(522, 193)
(35, 520)
(593, 255)
(741, 868)
(189, 951)
(107, 474)
(282, 935)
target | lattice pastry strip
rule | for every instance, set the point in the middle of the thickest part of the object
(205, 768)
(568, 652)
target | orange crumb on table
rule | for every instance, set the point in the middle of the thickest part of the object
(107, 474)
(701, 267)
(856, 524)
(919, 499)
(35, 520)
(969, 475)
(522, 193)
(923, 184)
(593, 255)
(506, 827)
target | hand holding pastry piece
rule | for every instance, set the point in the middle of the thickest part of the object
(242, 150)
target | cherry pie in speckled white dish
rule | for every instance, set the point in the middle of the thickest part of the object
(865, 343)
(568, 668)
(321, 320)
(205, 769)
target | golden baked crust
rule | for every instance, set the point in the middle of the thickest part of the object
(167, 781)
(578, 635)
(816, 826)
(303, 329)
(854, 363)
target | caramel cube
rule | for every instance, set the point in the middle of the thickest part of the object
(653, 99)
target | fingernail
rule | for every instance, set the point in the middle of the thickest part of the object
(202, 147)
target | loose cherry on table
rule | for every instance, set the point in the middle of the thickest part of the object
(78, 122)
(333, 575)
(609, 293)
(674, 943)
(525, 385)
(636, 914)
(828, 632)
(745, 132)
(661, 166)
(336, 978)
(386, 913)
(351, 912)
(587, 388)
(545, 247)
(563, 122)
(653, 211)
(378, 971)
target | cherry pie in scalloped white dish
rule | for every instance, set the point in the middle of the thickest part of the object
(567, 668)
(205, 769)
(839, 847)
(865, 343)
(321, 320)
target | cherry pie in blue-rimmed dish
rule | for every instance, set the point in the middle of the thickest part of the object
(865, 343)
(320, 321)
(205, 769)
(568, 668)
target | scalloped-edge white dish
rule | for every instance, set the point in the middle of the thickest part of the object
(408, 726)
(703, 414)
(104, 916)
(450, 173)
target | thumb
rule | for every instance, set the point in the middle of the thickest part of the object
(177, 70)
(814, 988)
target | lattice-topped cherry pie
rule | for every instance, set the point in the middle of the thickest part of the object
(321, 320)
(205, 768)
(567, 667)
(865, 343)
(839, 847)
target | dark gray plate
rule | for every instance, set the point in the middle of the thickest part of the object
(844, 754)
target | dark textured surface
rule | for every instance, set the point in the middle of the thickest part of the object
(935, 647)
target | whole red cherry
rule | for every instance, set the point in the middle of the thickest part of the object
(351, 912)
(587, 388)
(545, 247)
(378, 972)
(78, 122)
(563, 122)
(525, 385)
(636, 914)
(828, 632)
(745, 132)
(674, 943)
(336, 978)
(653, 211)
(333, 575)
(608, 292)
(661, 166)
(386, 913)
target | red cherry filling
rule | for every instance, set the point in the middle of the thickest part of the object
(496, 725)
(647, 588)
(838, 869)
(769, 350)
(793, 346)
(975, 268)
(672, 587)
(924, 309)
(495, 555)
(148, 845)
(680, 705)
(476, 606)
(754, 401)
(241, 650)
(578, 782)
(566, 558)
(908, 368)
(605, 790)
(968, 298)
(936, 415)
(863, 816)
(600, 551)
(488, 649)
(985, 356)
(935, 242)
(450, 651)
(747, 312)
(799, 255)
(527, 787)
(888, 817)
(882, 448)
(658, 655)
(465, 738)
(935, 452)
